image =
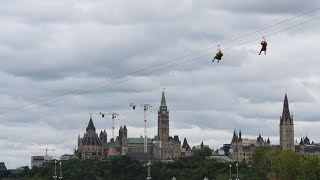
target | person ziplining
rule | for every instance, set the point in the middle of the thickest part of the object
(218, 55)
(264, 46)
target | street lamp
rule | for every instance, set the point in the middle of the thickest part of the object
(60, 177)
(237, 172)
(230, 171)
(55, 169)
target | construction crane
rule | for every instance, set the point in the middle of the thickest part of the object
(145, 108)
(113, 116)
(46, 149)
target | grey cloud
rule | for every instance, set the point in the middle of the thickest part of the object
(60, 46)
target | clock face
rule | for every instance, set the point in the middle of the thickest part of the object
(163, 112)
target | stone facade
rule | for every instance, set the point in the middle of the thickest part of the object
(286, 127)
(163, 120)
(242, 148)
(305, 148)
(90, 146)
(161, 146)
(186, 149)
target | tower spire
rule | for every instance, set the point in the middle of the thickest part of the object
(286, 112)
(163, 99)
(286, 127)
(163, 120)
(91, 125)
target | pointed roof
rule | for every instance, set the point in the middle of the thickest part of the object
(285, 101)
(259, 138)
(185, 143)
(286, 112)
(163, 100)
(91, 125)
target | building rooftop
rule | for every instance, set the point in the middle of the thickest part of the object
(2, 166)
(139, 140)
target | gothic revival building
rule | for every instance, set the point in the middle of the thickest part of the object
(286, 127)
(186, 149)
(90, 146)
(166, 147)
(242, 148)
(161, 146)
(307, 148)
(163, 120)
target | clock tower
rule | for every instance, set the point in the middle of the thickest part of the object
(163, 120)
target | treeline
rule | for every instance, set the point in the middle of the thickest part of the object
(266, 164)
(270, 163)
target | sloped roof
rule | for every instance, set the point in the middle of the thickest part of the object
(138, 140)
(163, 100)
(91, 126)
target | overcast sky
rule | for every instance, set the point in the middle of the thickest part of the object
(75, 48)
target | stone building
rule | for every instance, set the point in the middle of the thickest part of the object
(305, 148)
(166, 147)
(186, 149)
(90, 146)
(2, 166)
(286, 127)
(242, 148)
(162, 146)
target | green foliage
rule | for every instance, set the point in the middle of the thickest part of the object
(195, 167)
(286, 165)
(274, 163)
(202, 153)
(266, 163)
(310, 169)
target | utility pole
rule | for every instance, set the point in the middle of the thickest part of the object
(113, 116)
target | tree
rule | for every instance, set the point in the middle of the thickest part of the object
(260, 163)
(202, 153)
(287, 164)
(310, 169)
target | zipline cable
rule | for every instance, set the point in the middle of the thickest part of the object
(268, 27)
(172, 60)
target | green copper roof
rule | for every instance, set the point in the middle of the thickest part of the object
(163, 100)
(138, 140)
